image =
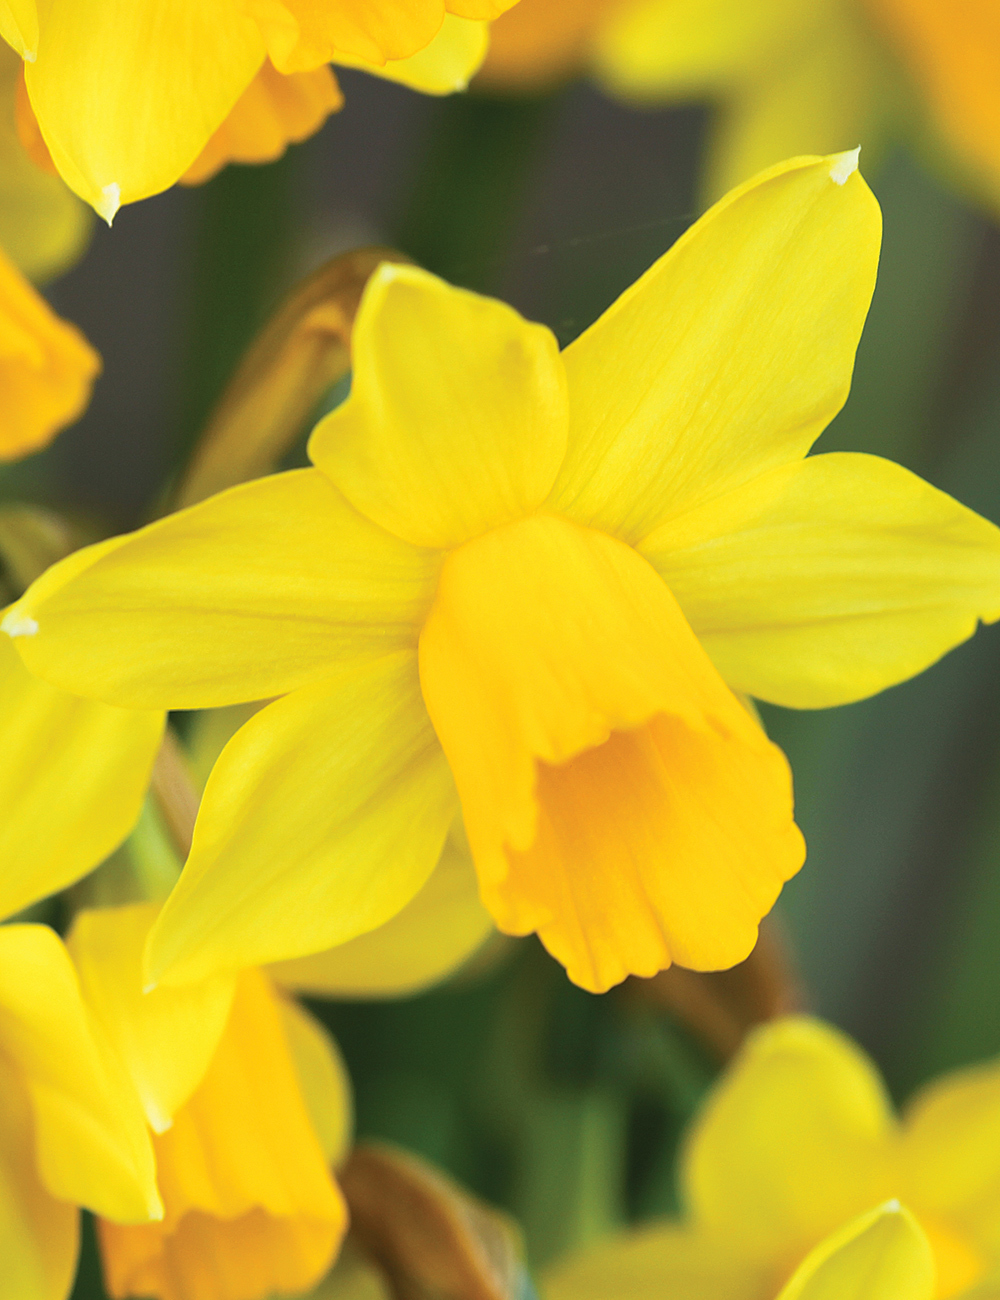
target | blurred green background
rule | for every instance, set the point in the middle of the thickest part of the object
(563, 1107)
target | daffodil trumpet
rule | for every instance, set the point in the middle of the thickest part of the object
(514, 606)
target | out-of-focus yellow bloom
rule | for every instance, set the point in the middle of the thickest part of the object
(71, 1129)
(789, 76)
(249, 1104)
(518, 583)
(43, 226)
(128, 93)
(47, 368)
(798, 1137)
(881, 1255)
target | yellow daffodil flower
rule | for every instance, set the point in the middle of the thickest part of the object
(128, 93)
(881, 1255)
(525, 586)
(249, 1105)
(47, 368)
(71, 1129)
(798, 1137)
(790, 76)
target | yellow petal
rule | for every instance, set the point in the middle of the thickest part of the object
(39, 1235)
(19, 26)
(790, 1144)
(73, 775)
(829, 580)
(652, 1263)
(729, 356)
(438, 930)
(657, 50)
(618, 799)
(323, 817)
(91, 1140)
(445, 65)
(882, 1255)
(273, 112)
(954, 51)
(43, 226)
(47, 368)
(128, 92)
(251, 1207)
(323, 1079)
(247, 595)
(165, 1038)
(949, 1151)
(835, 88)
(456, 420)
(302, 34)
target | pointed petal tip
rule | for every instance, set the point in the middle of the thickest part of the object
(109, 202)
(844, 165)
(16, 623)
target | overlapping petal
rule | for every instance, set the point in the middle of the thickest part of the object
(366, 801)
(729, 356)
(166, 1037)
(456, 420)
(828, 580)
(791, 1144)
(297, 580)
(38, 1234)
(618, 798)
(90, 1135)
(19, 26)
(73, 775)
(436, 931)
(443, 66)
(127, 93)
(323, 1079)
(882, 1255)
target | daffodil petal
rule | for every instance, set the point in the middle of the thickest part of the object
(323, 1077)
(432, 936)
(166, 1037)
(47, 368)
(39, 1235)
(91, 1139)
(882, 1255)
(322, 818)
(540, 42)
(73, 775)
(44, 227)
(19, 26)
(273, 112)
(829, 580)
(651, 1263)
(949, 1143)
(729, 356)
(245, 596)
(456, 420)
(788, 1145)
(127, 94)
(445, 65)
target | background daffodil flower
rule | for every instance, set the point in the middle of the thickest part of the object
(790, 76)
(798, 1137)
(527, 584)
(249, 1106)
(71, 1129)
(881, 1255)
(129, 93)
(47, 367)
